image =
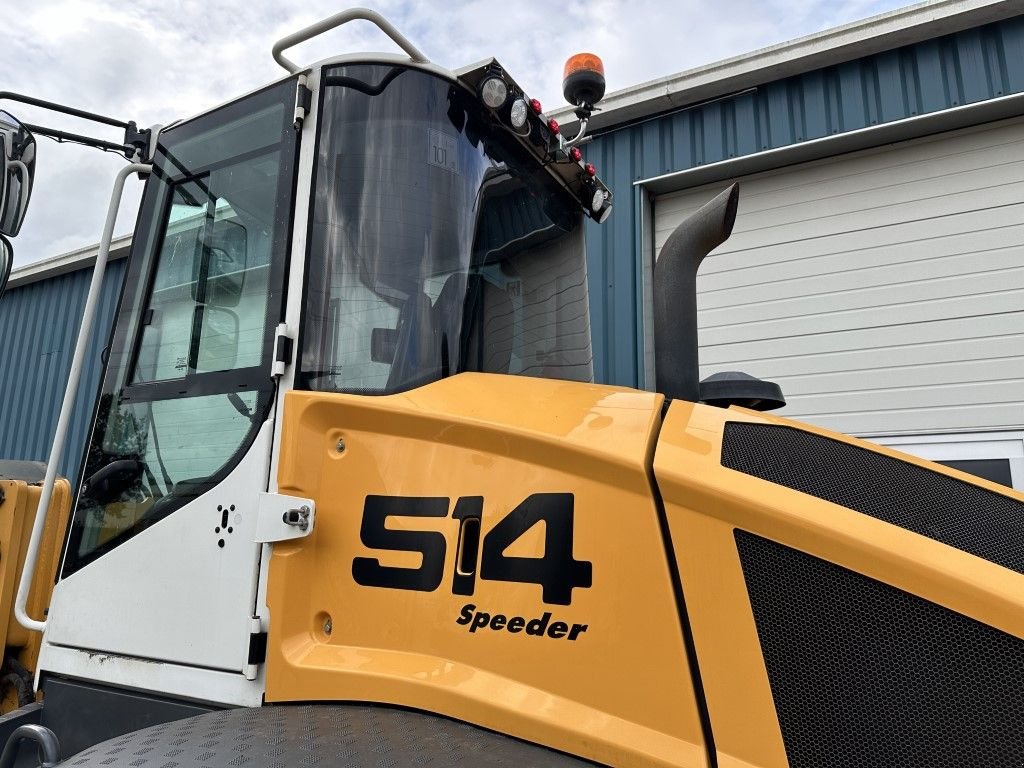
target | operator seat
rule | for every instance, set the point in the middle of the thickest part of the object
(418, 345)
(489, 328)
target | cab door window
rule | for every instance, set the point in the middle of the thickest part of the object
(188, 383)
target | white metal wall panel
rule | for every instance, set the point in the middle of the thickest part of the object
(883, 290)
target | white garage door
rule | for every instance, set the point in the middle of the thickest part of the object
(883, 290)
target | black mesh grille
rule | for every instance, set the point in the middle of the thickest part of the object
(943, 508)
(867, 676)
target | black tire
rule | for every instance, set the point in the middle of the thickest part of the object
(325, 736)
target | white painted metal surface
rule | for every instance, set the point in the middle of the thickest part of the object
(204, 685)
(272, 518)
(173, 593)
(884, 290)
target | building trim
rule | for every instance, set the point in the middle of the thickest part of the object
(67, 262)
(914, 127)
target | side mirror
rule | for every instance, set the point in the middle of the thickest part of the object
(218, 339)
(6, 260)
(225, 262)
(17, 169)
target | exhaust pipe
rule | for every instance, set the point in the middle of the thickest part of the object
(677, 373)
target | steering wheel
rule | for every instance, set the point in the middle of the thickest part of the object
(113, 479)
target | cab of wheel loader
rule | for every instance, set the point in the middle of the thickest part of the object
(444, 235)
(365, 227)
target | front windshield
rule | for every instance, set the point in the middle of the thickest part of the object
(437, 244)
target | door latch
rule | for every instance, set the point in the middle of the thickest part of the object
(282, 518)
(297, 517)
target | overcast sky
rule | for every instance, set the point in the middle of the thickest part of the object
(153, 62)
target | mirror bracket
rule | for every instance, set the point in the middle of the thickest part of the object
(6, 262)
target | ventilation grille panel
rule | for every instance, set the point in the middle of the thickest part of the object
(929, 503)
(867, 676)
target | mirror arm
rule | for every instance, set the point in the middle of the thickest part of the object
(76, 138)
(55, 107)
(136, 142)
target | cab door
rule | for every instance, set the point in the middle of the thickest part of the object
(160, 562)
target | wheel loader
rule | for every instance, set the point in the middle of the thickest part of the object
(351, 496)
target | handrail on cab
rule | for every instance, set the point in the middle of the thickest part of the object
(337, 20)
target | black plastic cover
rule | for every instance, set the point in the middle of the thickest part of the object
(738, 388)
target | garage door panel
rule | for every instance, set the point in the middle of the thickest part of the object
(925, 198)
(919, 159)
(872, 298)
(935, 397)
(899, 377)
(799, 363)
(977, 329)
(861, 189)
(905, 244)
(884, 290)
(970, 417)
(885, 267)
(921, 213)
(957, 171)
(883, 318)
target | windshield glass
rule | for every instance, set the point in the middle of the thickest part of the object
(437, 244)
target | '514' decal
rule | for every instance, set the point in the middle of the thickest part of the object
(557, 571)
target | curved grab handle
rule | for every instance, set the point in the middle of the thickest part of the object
(46, 743)
(337, 20)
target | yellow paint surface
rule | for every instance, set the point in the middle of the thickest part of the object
(620, 693)
(705, 504)
(17, 514)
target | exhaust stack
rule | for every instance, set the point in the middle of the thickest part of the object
(677, 373)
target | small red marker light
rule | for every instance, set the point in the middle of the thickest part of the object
(575, 154)
(590, 169)
(553, 125)
(535, 106)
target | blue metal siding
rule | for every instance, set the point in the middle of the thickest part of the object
(38, 328)
(933, 75)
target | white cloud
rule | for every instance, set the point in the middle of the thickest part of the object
(155, 61)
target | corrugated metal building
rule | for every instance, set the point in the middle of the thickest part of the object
(876, 271)
(39, 319)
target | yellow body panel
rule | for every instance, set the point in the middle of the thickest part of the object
(706, 502)
(17, 514)
(620, 693)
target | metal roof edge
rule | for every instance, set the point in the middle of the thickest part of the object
(919, 126)
(893, 29)
(66, 262)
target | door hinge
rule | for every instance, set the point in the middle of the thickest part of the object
(257, 647)
(283, 518)
(284, 348)
(303, 102)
